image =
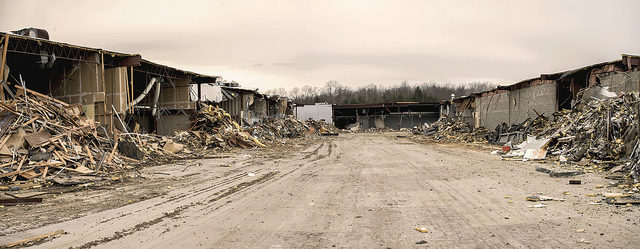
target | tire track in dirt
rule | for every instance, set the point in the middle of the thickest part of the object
(462, 202)
(211, 203)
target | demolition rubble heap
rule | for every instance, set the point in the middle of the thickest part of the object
(452, 130)
(595, 136)
(602, 132)
(46, 138)
(213, 128)
(272, 129)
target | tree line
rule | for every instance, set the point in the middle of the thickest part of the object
(335, 93)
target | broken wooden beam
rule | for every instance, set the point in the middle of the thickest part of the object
(34, 238)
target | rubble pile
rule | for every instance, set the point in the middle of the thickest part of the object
(528, 127)
(45, 138)
(272, 129)
(321, 127)
(448, 129)
(212, 127)
(603, 131)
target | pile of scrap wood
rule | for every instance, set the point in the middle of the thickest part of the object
(272, 129)
(452, 130)
(44, 138)
(603, 131)
(212, 127)
(599, 135)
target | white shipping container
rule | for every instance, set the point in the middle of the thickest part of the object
(316, 112)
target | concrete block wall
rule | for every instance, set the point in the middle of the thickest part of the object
(516, 106)
(492, 110)
(541, 98)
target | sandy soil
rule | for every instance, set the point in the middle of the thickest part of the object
(352, 191)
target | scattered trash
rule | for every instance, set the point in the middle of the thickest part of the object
(422, 229)
(251, 174)
(543, 198)
(614, 195)
(539, 205)
(584, 241)
(575, 182)
(422, 242)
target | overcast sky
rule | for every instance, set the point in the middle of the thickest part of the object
(272, 44)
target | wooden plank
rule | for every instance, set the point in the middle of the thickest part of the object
(4, 140)
(60, 157)
(21, 90)
(30, 121)
(34, 238)
(44, 173)
(86, 147)
(47, 164)
(4, 60)
(19, 167)
(12, 173)
(104, 89)
(7, 164)
(113, 151)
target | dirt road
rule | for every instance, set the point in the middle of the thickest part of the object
(353, 191)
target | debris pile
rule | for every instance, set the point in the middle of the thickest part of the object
(448, 129)
(323, 128)
(516, 133)
(602, 132)
(212, 127)
(272, 129)
(45, 138)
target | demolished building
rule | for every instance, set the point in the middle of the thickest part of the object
(247, 105)
(385, 115)
(108, 85)
(546, 94)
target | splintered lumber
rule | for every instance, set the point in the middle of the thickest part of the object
(12, 173)
(22, 90)
(89, 154)
(44, 173)
(34, 238)
(19, 167)
(49, 134)
(113, 151)
(60, 157)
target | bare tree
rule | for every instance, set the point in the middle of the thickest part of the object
(335, 93)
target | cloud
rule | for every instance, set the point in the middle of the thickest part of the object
(272, 44)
